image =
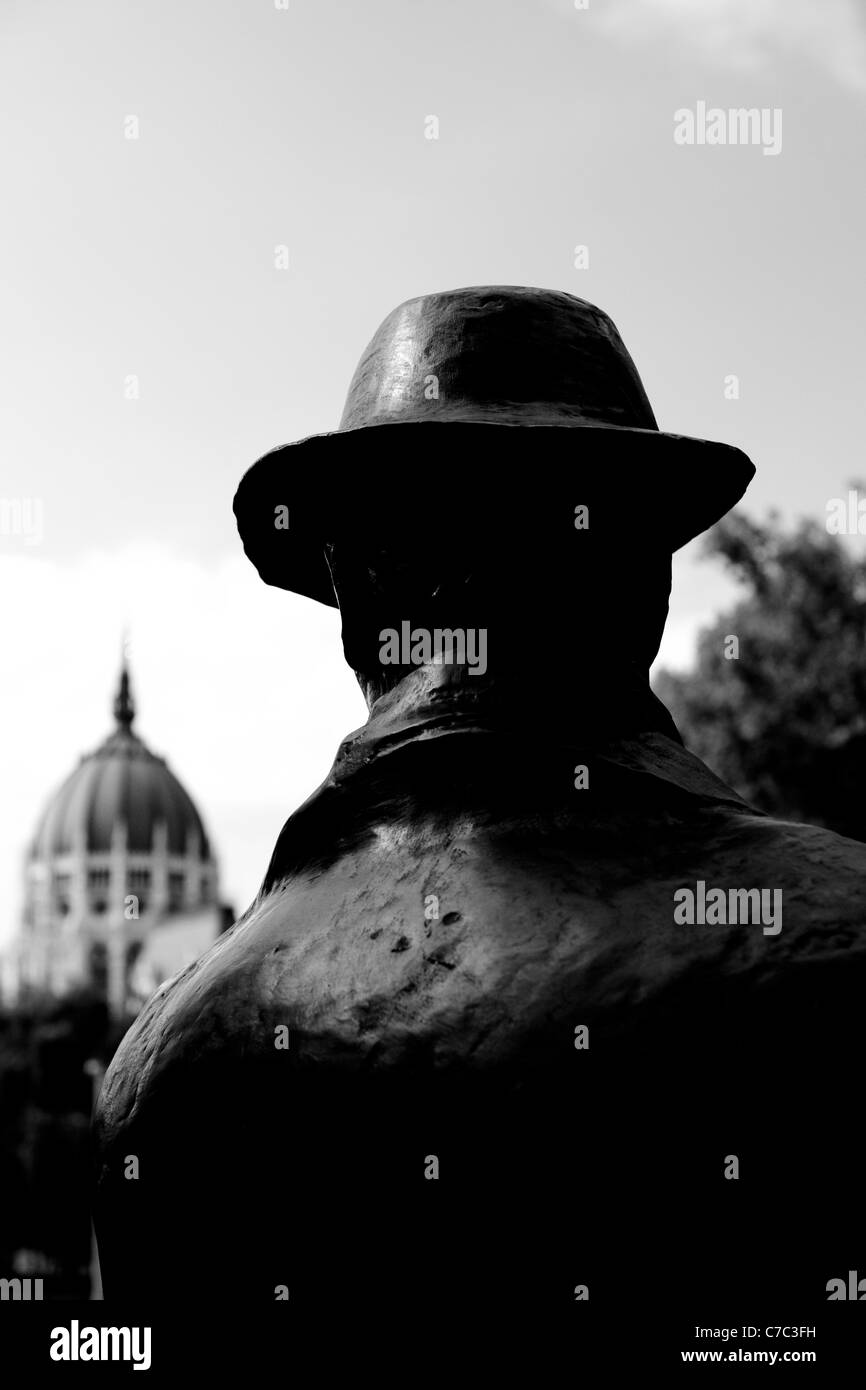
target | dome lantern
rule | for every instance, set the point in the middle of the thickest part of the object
(124, 708)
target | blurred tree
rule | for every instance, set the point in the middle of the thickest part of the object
(783, 720)
(45, 1158)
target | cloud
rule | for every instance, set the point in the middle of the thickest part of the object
(241, 687)
(746, 35)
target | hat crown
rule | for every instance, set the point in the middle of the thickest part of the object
(499, 353)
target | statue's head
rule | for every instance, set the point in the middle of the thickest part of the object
(497, 465)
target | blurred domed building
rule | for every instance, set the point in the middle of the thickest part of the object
(122, 887)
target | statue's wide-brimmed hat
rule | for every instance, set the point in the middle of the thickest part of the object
(468, 397)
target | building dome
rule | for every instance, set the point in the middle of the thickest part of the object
(121, 883)
(120, 784)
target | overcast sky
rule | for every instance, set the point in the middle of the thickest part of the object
(153, 258)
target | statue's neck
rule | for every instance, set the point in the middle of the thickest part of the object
(574, 702)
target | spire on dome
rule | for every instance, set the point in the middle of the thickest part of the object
(124, 709)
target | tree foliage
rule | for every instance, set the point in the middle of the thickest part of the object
(785, 721)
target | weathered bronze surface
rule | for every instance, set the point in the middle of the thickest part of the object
(443, 915)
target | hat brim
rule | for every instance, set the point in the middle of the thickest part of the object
(417, 473)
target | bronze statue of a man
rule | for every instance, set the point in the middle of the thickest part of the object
(530, 1006)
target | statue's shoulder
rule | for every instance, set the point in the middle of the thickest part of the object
(808, 859)
(200, 1013)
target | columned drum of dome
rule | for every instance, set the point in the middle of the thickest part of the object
(121, 882)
